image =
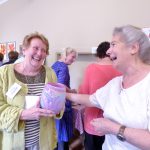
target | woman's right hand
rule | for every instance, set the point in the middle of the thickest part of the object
(68, 90)
(35, 113)
(73, 91)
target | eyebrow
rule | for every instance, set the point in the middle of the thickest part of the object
(112, 42)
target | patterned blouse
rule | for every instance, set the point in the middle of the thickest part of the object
(35, 87)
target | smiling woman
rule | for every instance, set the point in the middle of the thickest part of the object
(33, 127)
(64, 126)
(122, 125)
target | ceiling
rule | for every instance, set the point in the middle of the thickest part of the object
(3, 1)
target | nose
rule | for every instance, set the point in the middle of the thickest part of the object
(74, 59)
(108, 51)
(39, 52)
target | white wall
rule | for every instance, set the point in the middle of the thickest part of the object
(81, 24)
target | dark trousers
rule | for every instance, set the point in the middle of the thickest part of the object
(62, 146)
(93, 142)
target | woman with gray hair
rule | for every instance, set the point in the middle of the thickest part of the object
(125, 100)
(64, 126)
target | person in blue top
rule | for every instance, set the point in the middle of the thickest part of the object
(64, 126)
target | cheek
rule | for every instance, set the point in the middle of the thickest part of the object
(68, 59)
(28, 53)
(71, 60)
(44, 55)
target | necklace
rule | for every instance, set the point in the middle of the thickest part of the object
(26, 78)
(30, 78)
(38, 78)
(35, 80)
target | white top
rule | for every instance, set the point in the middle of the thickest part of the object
(130, 107)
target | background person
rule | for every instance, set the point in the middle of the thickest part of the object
(64, 126)
(26, 128)
(125, 100)
(21, 56)
(1, 59)
(96, 75)
(12, 56)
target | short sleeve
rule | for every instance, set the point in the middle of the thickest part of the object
(62, 75)
(103, 95)
(99, 98)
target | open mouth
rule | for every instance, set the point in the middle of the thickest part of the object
(113, 58)
(36, 59)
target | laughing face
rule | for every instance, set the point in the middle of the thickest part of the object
(36, 53)
(119, 53)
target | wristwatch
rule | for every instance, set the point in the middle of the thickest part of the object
(120, 134)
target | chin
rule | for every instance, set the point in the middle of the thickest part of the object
(36, 65)
(115, 65)
(118, 67)
(69, 63)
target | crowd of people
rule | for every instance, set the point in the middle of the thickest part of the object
(114, 90)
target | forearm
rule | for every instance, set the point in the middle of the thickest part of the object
(9, 119)
(79, 98)
(138, 137)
